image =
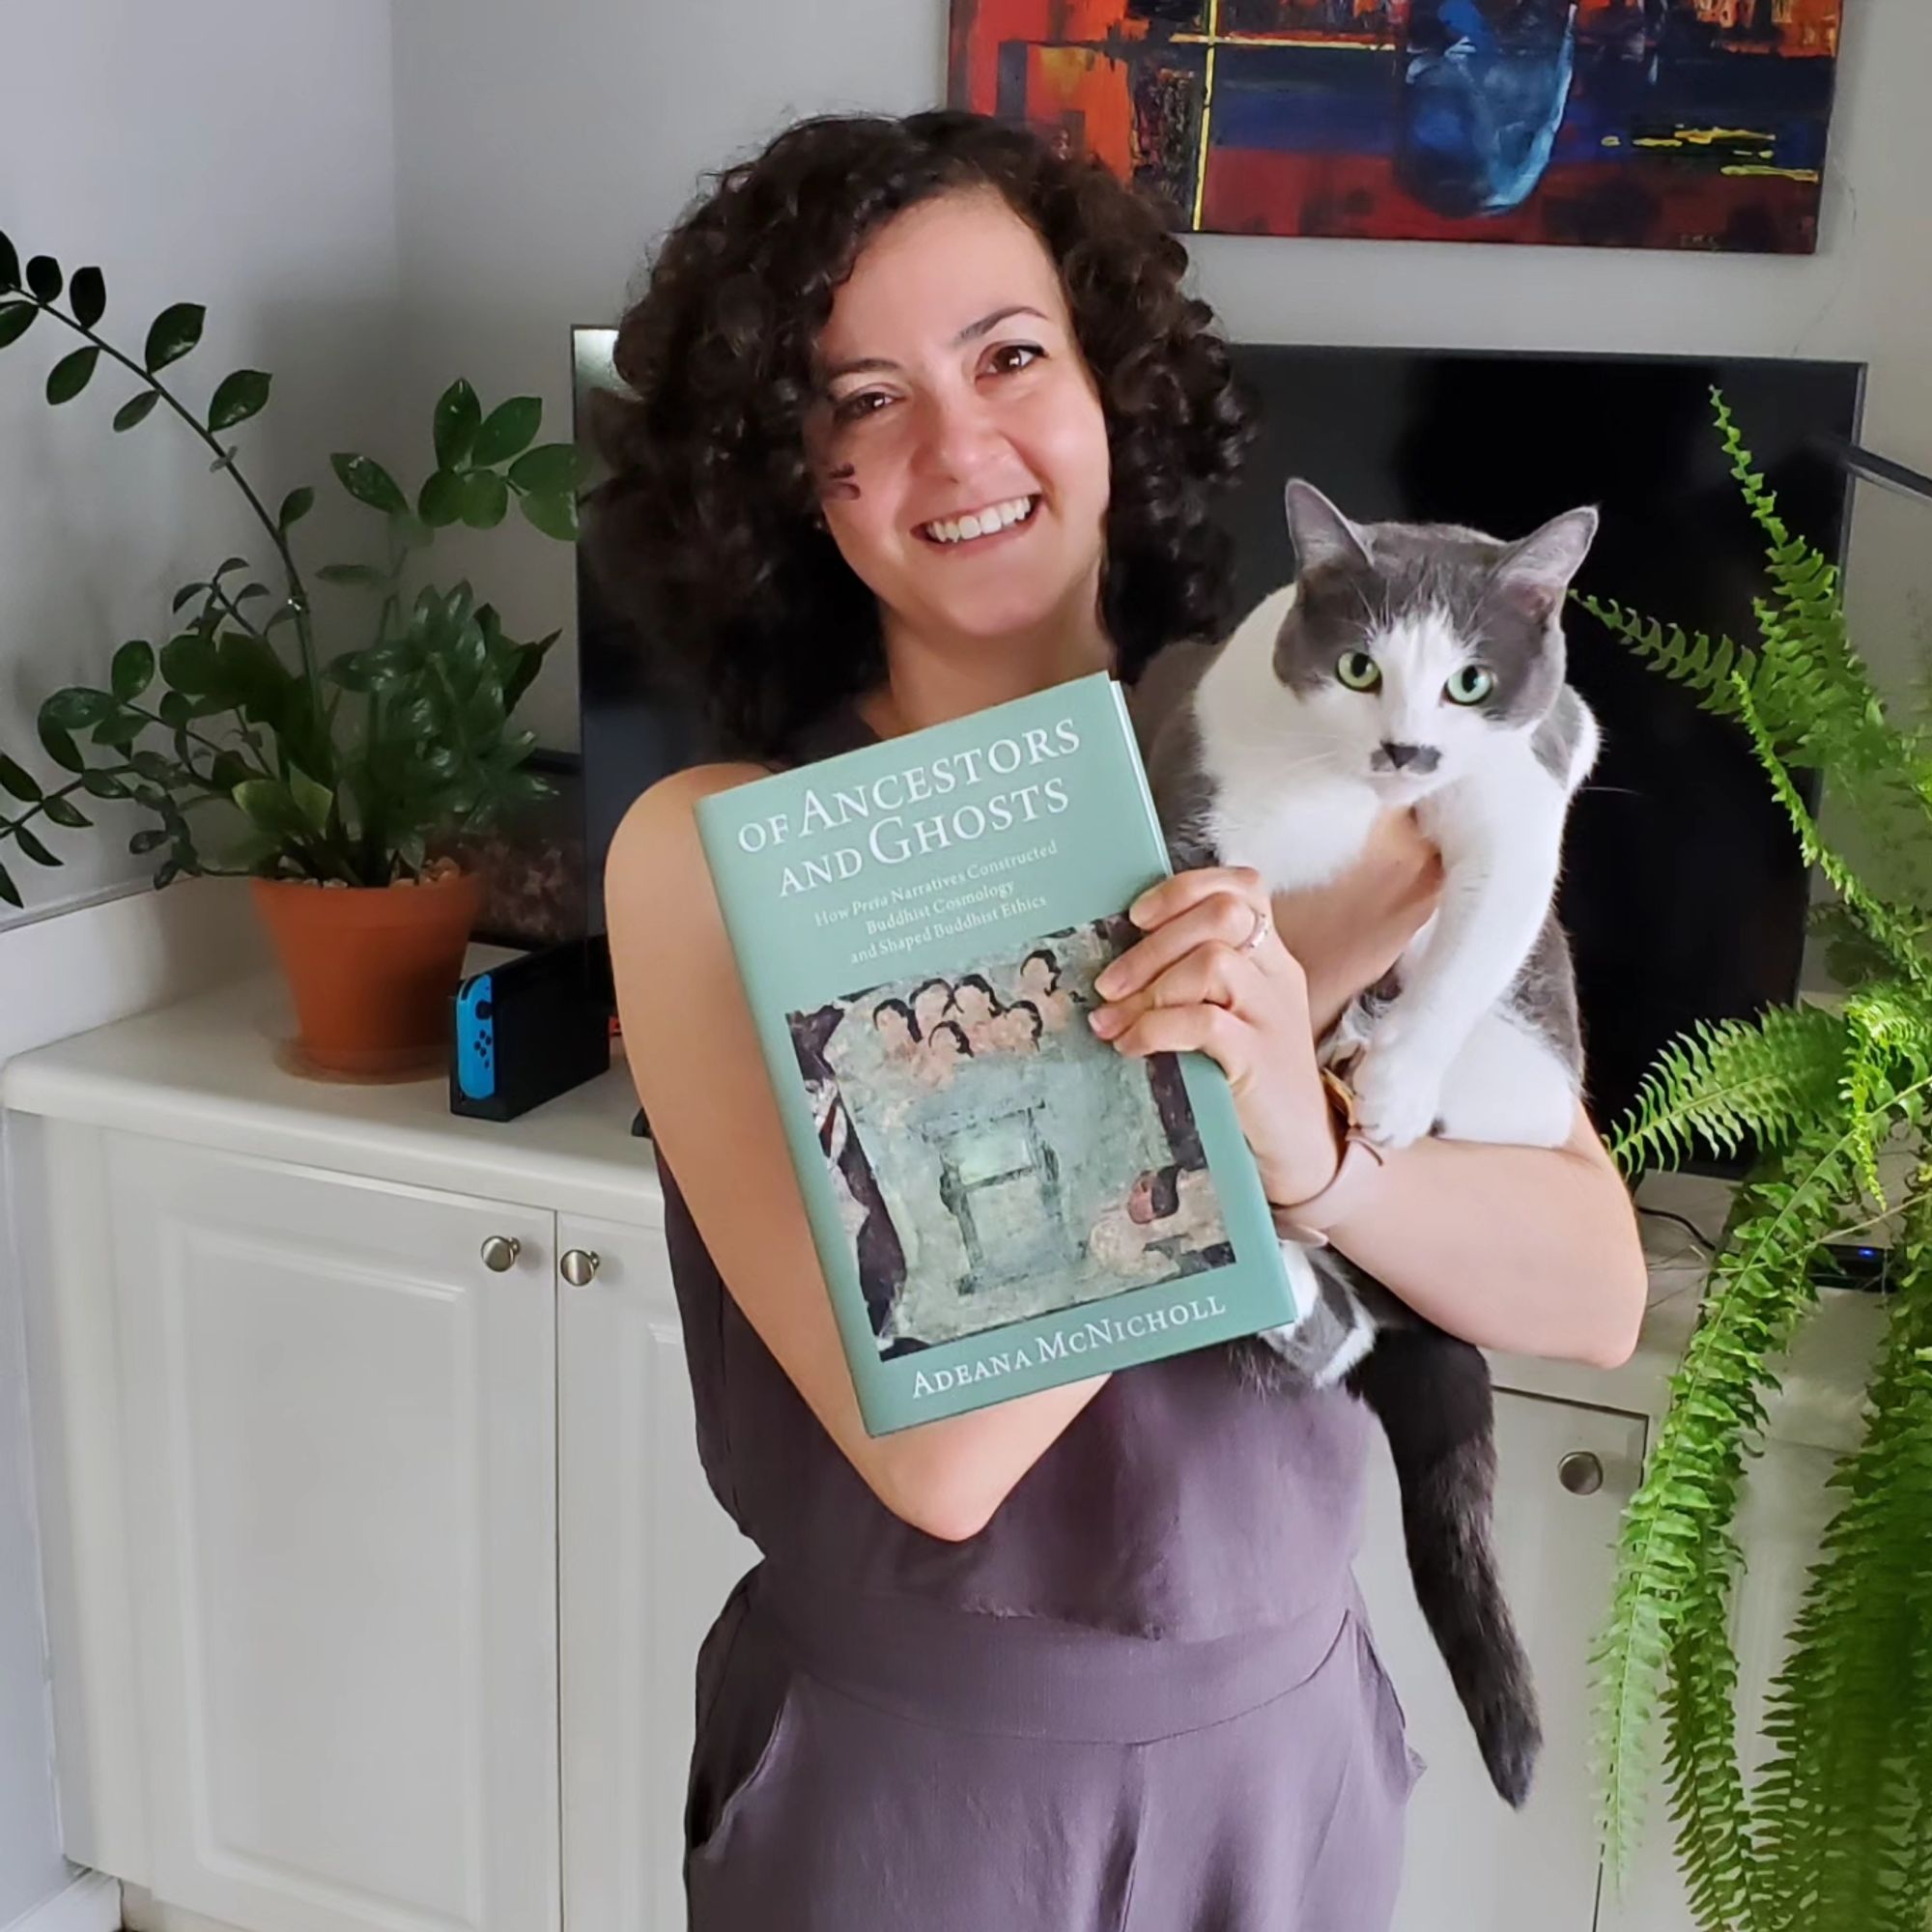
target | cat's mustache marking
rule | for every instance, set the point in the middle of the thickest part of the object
(1421, 759)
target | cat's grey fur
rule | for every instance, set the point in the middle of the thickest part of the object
(1259, 754)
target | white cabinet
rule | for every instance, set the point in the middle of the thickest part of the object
(428, 1555)
(385, 1570)
(423, 1548)
(648, 1559)
(341, 1479)
(1472, 1865)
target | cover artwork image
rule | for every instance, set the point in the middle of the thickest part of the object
(992, 1160)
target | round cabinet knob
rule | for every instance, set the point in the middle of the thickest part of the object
(501, 1252)
(580, 1266)
(1580, 1472)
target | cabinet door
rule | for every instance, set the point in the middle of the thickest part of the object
(647, 1560)
(342, 1483)
(1473, 1864)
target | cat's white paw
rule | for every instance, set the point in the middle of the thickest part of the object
(1398, 1092)
(1347, 1038)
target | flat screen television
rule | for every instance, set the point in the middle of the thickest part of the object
(1684, 892)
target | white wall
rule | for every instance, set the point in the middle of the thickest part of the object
(238, 154)
(540, 150)
(509, 237)
(245, 153)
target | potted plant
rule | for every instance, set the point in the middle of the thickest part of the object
(1835, 1833)
(345, 773)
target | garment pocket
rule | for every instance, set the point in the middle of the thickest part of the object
(1402, 1763)
(742, 1741)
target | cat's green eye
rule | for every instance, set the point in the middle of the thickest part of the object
(1358, 670)
(1469, 684)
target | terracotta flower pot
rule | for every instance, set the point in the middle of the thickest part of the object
(371, 968)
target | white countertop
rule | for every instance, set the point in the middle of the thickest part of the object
(212, 1070)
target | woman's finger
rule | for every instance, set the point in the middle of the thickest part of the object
(1211, 974)
(1223, 1036)
(1218, 917)
(1166, 897)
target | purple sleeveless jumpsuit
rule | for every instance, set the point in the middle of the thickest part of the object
(1143, 1699)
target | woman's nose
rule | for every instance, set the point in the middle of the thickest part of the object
(956, 434)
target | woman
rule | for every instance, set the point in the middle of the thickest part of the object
(925, 423)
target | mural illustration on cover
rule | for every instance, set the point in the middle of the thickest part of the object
(992, 1160)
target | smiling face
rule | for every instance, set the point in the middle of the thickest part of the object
(960, 442)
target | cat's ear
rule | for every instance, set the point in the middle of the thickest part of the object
(1320, 532)
(1536, 572)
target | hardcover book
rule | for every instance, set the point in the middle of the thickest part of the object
(1000, 1199)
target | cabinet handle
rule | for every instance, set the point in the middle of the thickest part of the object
(1580, 1472)
(501, 1252)
(579, 1267)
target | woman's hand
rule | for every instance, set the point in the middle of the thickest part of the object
(1212, 976)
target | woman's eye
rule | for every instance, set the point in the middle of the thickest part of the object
(1011, 357)
(1358, 670)
(864, 403)
(1469, 684)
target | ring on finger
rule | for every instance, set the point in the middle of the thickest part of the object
(1262, 921)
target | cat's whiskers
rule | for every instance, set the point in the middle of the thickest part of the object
(1313, 761)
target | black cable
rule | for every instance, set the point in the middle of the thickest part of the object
(1696, 1233)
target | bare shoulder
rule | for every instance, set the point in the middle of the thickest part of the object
(660, 909)
(658, 827)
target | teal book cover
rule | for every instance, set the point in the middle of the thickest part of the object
(1001, 1201)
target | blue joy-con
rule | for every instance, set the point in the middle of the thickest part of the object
(476, 1039)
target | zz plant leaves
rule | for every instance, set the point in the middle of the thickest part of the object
(348, 767)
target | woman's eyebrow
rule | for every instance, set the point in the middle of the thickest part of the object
(868, 365)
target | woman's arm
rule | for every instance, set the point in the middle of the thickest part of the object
(1529, 1249)
(694, 1059)
(1534, 1250)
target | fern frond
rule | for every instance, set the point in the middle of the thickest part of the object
(1806, 580)
(1890, 1046)
(1707, 1784)
(1756, 492)
(1845, 1806)
(1675, 1539)
(1724, 1082)
(1851, 957)
(1689, 658)
(1896, 931)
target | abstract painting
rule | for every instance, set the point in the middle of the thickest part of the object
(1632, 123)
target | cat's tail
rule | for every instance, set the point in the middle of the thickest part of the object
(1431, 1393)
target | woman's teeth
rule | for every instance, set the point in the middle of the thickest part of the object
(982, 522)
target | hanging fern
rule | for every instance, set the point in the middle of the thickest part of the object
(1835, 1832)
(1843, 1805)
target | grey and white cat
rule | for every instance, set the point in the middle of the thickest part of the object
(1420, 667)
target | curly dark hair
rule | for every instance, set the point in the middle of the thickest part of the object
(705, 534)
